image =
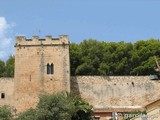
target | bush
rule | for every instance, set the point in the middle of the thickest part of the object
(5, 113)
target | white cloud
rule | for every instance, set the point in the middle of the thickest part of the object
(6, 41)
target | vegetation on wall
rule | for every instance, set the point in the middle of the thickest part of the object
(92, 57)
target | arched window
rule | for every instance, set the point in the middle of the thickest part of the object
(52, 68)
(48, 69)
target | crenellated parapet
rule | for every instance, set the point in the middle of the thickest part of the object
(36, 41)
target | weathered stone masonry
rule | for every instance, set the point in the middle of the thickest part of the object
(33, 60)
(6, 91)
(105, 92)
(43, 66)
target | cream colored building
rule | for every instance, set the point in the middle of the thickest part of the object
(153, 111)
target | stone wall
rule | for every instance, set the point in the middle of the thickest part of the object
(31, 79)
(32, 57)
(105, 92)
(6, 91)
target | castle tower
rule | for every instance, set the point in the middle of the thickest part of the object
(41, 66)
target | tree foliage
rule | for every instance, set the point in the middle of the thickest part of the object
(2, 68)
(30, 114)
(10, 67)
(5, 113)
(60, 106)
(7, 69)
(92, 57)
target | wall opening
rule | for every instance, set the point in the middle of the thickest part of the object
(30, 77)
(2, 95)
(50, 68)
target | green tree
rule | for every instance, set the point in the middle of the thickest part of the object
(59, 106)
(56, 107)
(83, 111)
(91, 56)
(10, 67)
(111, 58)
(104, 69)
(5, 113)
(2, 68)
(62, 106)
(30, 114)
(75, 57)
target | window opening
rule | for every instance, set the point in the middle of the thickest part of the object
(48, 69)
(2, 95)
(52, 68)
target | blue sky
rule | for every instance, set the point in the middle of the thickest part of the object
(105, 20)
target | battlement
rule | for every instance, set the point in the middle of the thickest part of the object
(35, 41)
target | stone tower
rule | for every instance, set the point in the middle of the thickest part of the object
(41, 66)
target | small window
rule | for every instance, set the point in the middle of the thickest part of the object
(50, 68)
(2, 95)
